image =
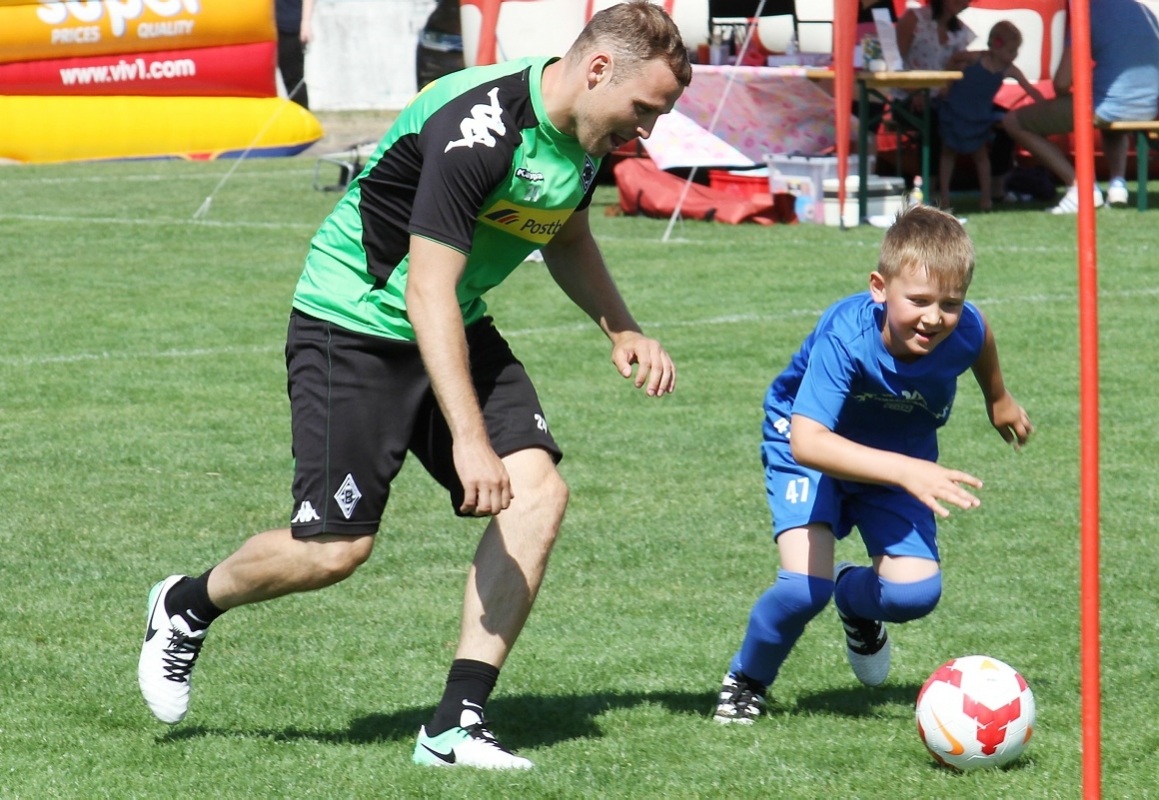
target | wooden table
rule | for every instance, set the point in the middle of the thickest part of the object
(877, 84)
(1143, 131)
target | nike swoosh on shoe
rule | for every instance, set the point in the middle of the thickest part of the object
(446, 757)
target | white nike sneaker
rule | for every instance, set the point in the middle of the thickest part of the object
(472, 746)
(167, 657)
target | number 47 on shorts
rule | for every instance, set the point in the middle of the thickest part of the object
(797, 491)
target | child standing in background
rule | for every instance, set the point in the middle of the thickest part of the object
(967, 117)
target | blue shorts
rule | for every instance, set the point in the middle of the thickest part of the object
(1132, 96)
(891, 521)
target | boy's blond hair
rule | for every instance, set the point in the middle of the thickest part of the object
(635, 32)
(930, 242)
(1004, 32)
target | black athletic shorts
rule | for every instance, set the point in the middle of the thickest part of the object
(358, 403)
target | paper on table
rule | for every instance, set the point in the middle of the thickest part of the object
(888, 37)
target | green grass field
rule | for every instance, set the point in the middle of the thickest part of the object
(144, 431)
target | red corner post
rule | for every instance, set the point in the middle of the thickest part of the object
(844, 37)
(1088, 400)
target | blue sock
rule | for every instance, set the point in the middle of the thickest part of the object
(776, 622)
(861, 593)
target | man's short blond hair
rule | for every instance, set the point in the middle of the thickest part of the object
(635, 32)
(930, 242)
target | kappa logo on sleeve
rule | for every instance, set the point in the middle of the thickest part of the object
(478, 127)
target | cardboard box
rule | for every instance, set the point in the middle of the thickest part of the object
(804, 177)
(886, 197)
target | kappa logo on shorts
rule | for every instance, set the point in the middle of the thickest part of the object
(348, 496)
(306, 513)
(541, 423)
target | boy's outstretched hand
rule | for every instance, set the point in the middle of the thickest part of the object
(934, 484)
(1010, 420)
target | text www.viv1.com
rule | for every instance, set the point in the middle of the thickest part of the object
(136, 70)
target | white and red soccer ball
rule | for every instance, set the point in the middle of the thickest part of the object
(975, 712)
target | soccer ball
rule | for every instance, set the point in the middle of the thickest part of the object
(975, 712)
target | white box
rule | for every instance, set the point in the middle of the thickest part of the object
(804, 177)
(886, 197)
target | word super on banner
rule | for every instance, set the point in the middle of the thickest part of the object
(52, 29)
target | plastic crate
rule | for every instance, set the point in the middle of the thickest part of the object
(885, 198)
(804, 177)
(745, 184)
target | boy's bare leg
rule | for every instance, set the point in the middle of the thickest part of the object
(982, 164)
(945, 174)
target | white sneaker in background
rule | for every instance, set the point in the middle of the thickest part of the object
(1117, 194)
(1069, 204)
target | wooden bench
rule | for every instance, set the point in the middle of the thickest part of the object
(1144, 133)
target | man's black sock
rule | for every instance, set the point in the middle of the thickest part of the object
(469, 684)
(189, 599)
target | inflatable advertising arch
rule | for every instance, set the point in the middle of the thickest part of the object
(103, 79)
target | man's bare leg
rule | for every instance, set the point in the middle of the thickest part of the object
(511, 559)
(502, 584)
(268, 565)
(274, 563)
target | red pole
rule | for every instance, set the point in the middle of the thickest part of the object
(844, 36)
(488, 31)
(1088, 398)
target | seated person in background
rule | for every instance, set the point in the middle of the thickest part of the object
(931, 37)
(966, 116)
(1125, 86)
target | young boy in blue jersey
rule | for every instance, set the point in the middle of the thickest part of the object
(850, 439)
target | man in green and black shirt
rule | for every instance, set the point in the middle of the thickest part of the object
(390, 349)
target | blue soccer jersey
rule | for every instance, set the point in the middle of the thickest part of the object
(844, 378)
